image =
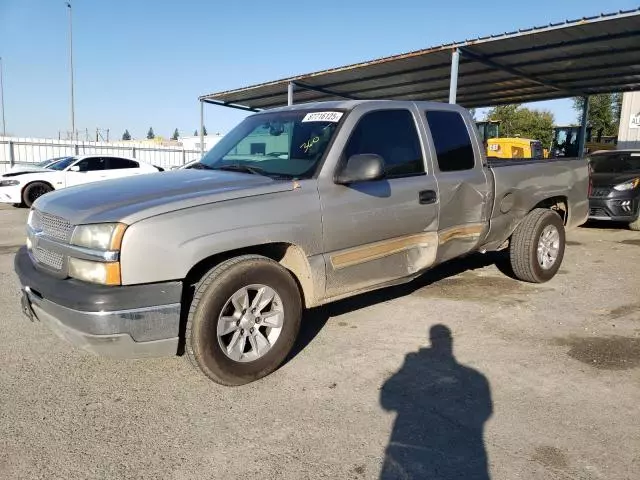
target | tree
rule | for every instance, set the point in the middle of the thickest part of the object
(175, 135)
(516, 120)
(126, 135)
(150, 134)
(604, 113)
(204, 130)
(195, 132)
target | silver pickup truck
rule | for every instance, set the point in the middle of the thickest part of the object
(294, 208)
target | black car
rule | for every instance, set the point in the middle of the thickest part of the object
(614, 192)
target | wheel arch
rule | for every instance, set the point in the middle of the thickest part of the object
(49, 184)
(559, 204)
(290, 256)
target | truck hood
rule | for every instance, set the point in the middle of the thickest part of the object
(131, 199)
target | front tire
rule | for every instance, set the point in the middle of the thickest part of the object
(33, 191)
(537, 246)
(243, 320)
(635, 225)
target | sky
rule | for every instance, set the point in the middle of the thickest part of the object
(141, 64)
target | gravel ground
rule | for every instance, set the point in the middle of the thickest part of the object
(543, 383)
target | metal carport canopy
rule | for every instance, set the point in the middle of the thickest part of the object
(582, 57)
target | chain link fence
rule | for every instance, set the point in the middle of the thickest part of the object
(25, 151)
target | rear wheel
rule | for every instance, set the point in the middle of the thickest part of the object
(33, 191)
(243, 321)
(537, 246)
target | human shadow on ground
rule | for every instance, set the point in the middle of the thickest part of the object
(441, 407)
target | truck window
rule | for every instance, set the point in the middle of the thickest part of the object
(391, 134)
(452, 141)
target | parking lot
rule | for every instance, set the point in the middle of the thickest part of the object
(543, 382)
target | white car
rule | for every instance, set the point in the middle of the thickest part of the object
(27, 167)
(24, 187)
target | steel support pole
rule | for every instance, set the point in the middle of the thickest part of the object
(290, 93)
(582, 139)
(4, 126)
(201, 129)
(73, 113)
(453, 81)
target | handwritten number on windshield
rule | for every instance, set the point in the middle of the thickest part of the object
(307, 145)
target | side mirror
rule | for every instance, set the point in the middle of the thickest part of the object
(74, 168)
(364, 167)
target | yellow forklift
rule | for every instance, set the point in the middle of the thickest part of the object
(507, 147)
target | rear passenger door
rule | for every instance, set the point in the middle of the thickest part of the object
(122, 167)
(378, 231)
(462, 182)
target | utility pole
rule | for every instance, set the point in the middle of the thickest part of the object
(73, 119)
(4, 126)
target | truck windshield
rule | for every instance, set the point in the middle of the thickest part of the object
(615, 163)
(280, 144)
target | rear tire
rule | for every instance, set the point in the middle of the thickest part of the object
(537, 246)
(635, 226)
(219, 305)
(33, 191)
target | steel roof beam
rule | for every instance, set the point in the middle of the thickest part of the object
(466, 52)
(326, 91)
(220, 103)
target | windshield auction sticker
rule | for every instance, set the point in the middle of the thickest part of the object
(322, 117)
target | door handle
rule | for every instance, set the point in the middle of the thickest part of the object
(427, 196)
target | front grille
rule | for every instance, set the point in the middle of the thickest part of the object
(46, 257)
(598, 212)
(600, 192)
(52, 226)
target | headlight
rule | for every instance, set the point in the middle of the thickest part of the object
(628, 185)
(9, 183)
(95, 272)
(101, 236)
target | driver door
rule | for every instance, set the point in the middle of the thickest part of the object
(376, 232)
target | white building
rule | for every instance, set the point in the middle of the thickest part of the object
(629, 130)
(193, 143)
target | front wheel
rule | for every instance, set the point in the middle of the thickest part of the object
(635, 225)
(243, 320)
(537, 246)
(33, 191)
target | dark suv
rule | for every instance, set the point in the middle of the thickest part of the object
(614, 192)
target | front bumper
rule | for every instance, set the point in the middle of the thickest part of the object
(11, 194)
(614, 209)
(124, 322)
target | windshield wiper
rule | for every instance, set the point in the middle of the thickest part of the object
(242, 169)
(200, 166)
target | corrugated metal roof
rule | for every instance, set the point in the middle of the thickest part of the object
(577, 57)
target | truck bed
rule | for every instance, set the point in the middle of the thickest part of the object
(516, 182)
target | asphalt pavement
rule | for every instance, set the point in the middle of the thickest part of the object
(464, 370)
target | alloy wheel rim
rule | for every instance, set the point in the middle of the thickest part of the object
(548, 247)
(250, 323)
